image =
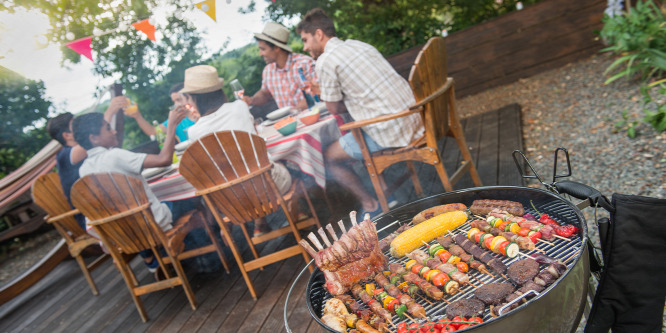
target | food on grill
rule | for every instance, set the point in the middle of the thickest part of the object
(497, 244)
(456, 250)
(373, 304)
(364, 327)
(406, 302)
(373, 322)
(349, 302)
(494, 293)
(385, 243)
(335, 311)
(547, 231)
(483, 207)
(413, 238)
(543, 259)
(353, 258)
(494, 263)
(429, 267)
(427, 288)
(437, 210)
(336, 323)
(465, 308)
(497, 227)
(523, 271)
(546, 277)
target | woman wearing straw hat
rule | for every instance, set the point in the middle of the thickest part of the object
(203, 89)
(280, 78)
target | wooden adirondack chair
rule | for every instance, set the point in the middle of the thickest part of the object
(231, 170)
(47, 192)
(120, 213)
(435, 102)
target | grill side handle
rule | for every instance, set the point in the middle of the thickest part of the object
(584, 192)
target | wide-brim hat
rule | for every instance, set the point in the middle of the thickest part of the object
(275, 33)
(201, 79)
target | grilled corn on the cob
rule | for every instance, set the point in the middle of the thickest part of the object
(412, 238)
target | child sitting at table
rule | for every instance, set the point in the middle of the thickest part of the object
(95, 134)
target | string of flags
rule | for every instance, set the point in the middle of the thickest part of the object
(82, 45)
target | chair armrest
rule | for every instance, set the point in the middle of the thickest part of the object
(437, 93)
(61, 216)
(361, 123)
(121, 214)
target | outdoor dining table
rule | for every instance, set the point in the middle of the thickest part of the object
(303, 148)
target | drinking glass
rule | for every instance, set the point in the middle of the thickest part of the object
(238, 89)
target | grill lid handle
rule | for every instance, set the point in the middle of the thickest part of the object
(584, 192)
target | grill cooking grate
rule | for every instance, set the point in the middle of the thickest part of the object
(562, 249)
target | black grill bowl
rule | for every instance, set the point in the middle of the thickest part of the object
(557, 309)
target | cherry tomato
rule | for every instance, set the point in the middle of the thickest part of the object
(402, 325)
(440, 279)
(456, 321)
(463, 326)
(543, 217)
(416, 268)
(535, 236)
(475, 319)
(449, 328)
(444, 256)
(487, 241)
(442, 323)
(414, 328)
(426, 327)
(402, 330)
(462, 267)
(523, 232)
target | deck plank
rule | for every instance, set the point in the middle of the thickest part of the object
(62, 302)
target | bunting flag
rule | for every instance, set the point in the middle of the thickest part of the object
(145, 27)
(82, 47)
(208, 7)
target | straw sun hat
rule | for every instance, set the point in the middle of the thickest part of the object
(201, 79)
(275, 33)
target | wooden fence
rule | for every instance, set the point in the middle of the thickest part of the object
(520, 44)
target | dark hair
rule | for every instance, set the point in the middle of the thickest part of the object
(209, 102)
(176, 88)
(316, 19)
(271, 45)
(58, 125)
(85, 125)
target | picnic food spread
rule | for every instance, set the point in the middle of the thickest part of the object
(431, 260)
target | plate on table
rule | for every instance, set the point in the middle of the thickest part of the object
(279, 113)
(153, 173)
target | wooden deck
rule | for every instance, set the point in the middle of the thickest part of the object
(62, 302)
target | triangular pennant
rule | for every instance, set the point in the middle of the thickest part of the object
(82, 47)
(145, 27)
(208, 7)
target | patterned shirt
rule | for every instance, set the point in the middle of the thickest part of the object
(285, 84)
(357, 74)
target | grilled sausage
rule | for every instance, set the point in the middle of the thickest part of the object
(364, 327)
(483, 207)
(437, 210)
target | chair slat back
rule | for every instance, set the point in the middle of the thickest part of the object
(428, 74)
(103, 195)
(47, 192)
(230, 156)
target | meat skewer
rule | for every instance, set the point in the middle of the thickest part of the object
(494, 263)
(434, 264)
(415, 309)
(483, 207)
(427, 288)
(376, 307)
(448, 243)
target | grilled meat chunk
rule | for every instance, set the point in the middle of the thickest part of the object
(483, 207)
(493, 293)
(523, 271)
(465, 308)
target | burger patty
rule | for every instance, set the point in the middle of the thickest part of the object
(493, 293)
(523, 271)
(465, 308)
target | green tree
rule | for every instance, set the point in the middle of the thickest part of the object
(394, 25)
(146, 69)
(22, 106)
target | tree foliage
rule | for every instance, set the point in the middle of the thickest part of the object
(394, 25)
(22, 106)
(146, 69)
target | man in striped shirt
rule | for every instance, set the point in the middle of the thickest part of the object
(280, 78)
(354, 77)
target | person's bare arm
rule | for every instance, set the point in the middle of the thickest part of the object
(165, 157)
(336, 107)
(77, 154)
(145, 126)
(261, 97)
(117, 104)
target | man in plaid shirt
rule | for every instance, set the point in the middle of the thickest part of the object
(354, 77)
(280, 78)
